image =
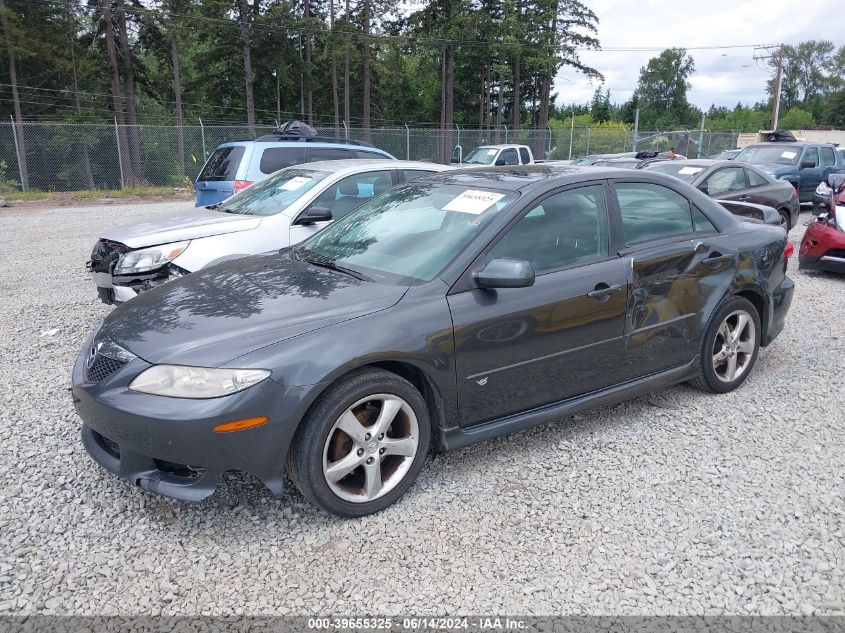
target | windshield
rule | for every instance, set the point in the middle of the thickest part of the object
(481, 156)
(783, 155)
(410, 234)
(274, 194)
(687, 173)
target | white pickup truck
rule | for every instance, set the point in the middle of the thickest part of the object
(494, 155)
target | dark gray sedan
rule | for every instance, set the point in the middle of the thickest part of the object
(741, 182)
(451, 310)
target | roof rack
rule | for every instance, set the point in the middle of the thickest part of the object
(281, 136)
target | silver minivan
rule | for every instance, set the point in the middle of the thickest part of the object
(284, 209)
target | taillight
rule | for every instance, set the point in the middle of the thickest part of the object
(789, 249)
(240, 185)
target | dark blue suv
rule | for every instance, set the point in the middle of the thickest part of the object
(234, 166)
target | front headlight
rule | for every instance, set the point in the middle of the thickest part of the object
(823, 189)
(178, 381)
(147, 259)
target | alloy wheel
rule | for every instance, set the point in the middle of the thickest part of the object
(734, 347)
(370, 448)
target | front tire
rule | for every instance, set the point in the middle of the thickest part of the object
(730, 347)
(362, 444)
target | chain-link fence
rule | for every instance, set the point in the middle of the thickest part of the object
(76, 156)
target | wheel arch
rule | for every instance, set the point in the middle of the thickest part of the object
(756, 298)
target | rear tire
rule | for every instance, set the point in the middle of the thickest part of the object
(362, 444)
(785, 219)
(730, 347)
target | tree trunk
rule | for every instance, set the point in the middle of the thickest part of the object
(116, 96)
(365, 105)
(543, 118)
(309, 92)
(346, 99)
(335, 102)
(501, 100)
(13, 79)
(136, 171)
(243, 11)
(517, 67)
(177, 93)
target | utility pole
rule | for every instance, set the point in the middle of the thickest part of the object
(778, 83)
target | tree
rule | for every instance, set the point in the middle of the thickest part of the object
(600, 107)
(797, 119)
(806, 73)
(662, 88)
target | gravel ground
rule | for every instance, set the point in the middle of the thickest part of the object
(674, 503)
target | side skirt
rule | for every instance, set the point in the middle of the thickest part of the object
(458, 437)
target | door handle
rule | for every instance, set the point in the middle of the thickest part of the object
(602, 291)
(717, 259)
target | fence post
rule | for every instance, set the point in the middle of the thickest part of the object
(119, 157)
(204, 152)
(636, 127)
(589, 138)
(345, 130)
(407, 142)
(457, 127)
(571, 133)
(24, 183)
(506, 133)
(550, 141)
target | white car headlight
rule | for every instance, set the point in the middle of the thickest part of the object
(147, 259)
(178, 381)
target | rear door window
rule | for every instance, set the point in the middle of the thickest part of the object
(755, 179)
(276, 158)
(328, 153)
(351, 192)
(508, 157)
(724, 181)
(523, 154)
(652, 212)
(223, 164)
(828, 158)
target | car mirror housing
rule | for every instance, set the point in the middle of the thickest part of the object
(315, 214)
(499, 162)
(505, 273)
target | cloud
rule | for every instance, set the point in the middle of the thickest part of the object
(722, 77)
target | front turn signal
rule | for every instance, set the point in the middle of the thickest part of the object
(240, 425)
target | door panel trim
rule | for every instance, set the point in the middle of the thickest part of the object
(661, 324)
(542, 358)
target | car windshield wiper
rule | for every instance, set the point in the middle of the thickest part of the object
(331, 265)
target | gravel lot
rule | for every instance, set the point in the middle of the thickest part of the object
(674, 503)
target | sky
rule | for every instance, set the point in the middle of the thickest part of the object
(724, 77)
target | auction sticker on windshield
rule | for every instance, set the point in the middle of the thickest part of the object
(690, 170)
(789, 155)
(295, 183)
(473, 201)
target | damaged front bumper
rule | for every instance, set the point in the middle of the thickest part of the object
(115, 289)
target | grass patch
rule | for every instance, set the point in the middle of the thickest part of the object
(87, 194)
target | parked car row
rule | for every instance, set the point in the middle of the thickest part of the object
(343, 318)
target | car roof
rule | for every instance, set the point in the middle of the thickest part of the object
(501, 146)
(787, 144)
(525, 177)
(311, 144)
(353, 165)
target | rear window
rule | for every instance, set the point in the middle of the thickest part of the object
(523, 154)
(223, 164)
(328, 153)
(276, 158)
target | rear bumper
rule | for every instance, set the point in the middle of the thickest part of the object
(167, 445)
(781, 300)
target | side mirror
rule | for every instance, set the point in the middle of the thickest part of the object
(808, 164)
(505, 273)
(312, 215)
(500, 161)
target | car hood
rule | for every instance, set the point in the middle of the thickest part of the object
(220, 313)
(177, 227)
(775, 169)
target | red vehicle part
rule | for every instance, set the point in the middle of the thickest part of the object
(823, 244)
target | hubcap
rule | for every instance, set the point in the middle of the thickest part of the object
(370, 448)
(734, 346)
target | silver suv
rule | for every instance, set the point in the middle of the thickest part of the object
(284, 209)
